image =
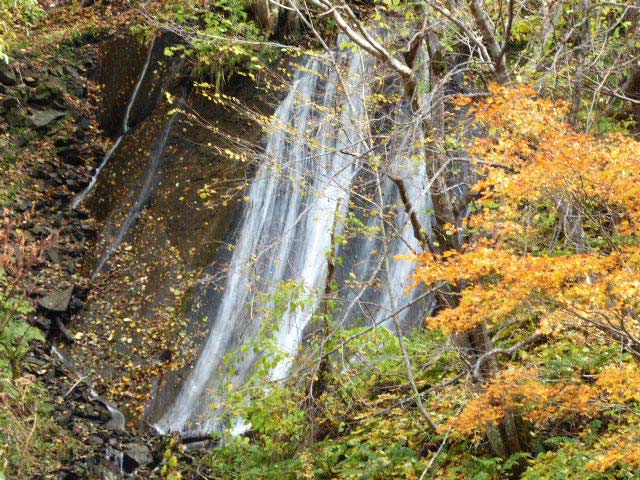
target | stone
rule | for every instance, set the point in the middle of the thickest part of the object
(94, 440)
(64, 331)
(76, 304)
(73, 476)
(20, 92)
(88, 230)
(140, 454)
(78, 90)
(71, 155)
(57, 301)
(63, 141)
(42, 118)
(42, 323)
(49, 90)
(60, 195)
(54, 255)
(20, 141)
(84, 122)
(69, 70)
(7, 74)
(56, 71)
(65, 418)
(81, 292)
(41, 96)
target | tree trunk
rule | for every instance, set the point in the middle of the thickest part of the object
(498, 57)
(262, 11)
(510, 436)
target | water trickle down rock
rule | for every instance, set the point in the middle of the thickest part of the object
(123, 132)
(142, 199)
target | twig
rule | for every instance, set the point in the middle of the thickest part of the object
(73, 387)
(503, 351)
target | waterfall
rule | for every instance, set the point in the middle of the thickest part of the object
(143, 196)
(123, 132)
(406, 161)
(311, 157)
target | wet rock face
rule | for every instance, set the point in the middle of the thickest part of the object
(118, 68)
(175, 235)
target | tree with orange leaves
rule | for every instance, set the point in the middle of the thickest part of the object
(554, 249)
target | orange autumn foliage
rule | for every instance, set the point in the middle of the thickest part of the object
(533, 156)
(531, 160)
(497, 283)
(620, 449)
(554, 245)
(546, 402)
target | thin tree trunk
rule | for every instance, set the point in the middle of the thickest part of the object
(579, 84)
(509, 437)
(487, 32)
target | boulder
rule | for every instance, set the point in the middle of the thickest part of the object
(57, 301)
(42, 118)
(140, 454)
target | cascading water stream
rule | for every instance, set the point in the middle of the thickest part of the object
(285, 231)
(143, 197)
(123, 132)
